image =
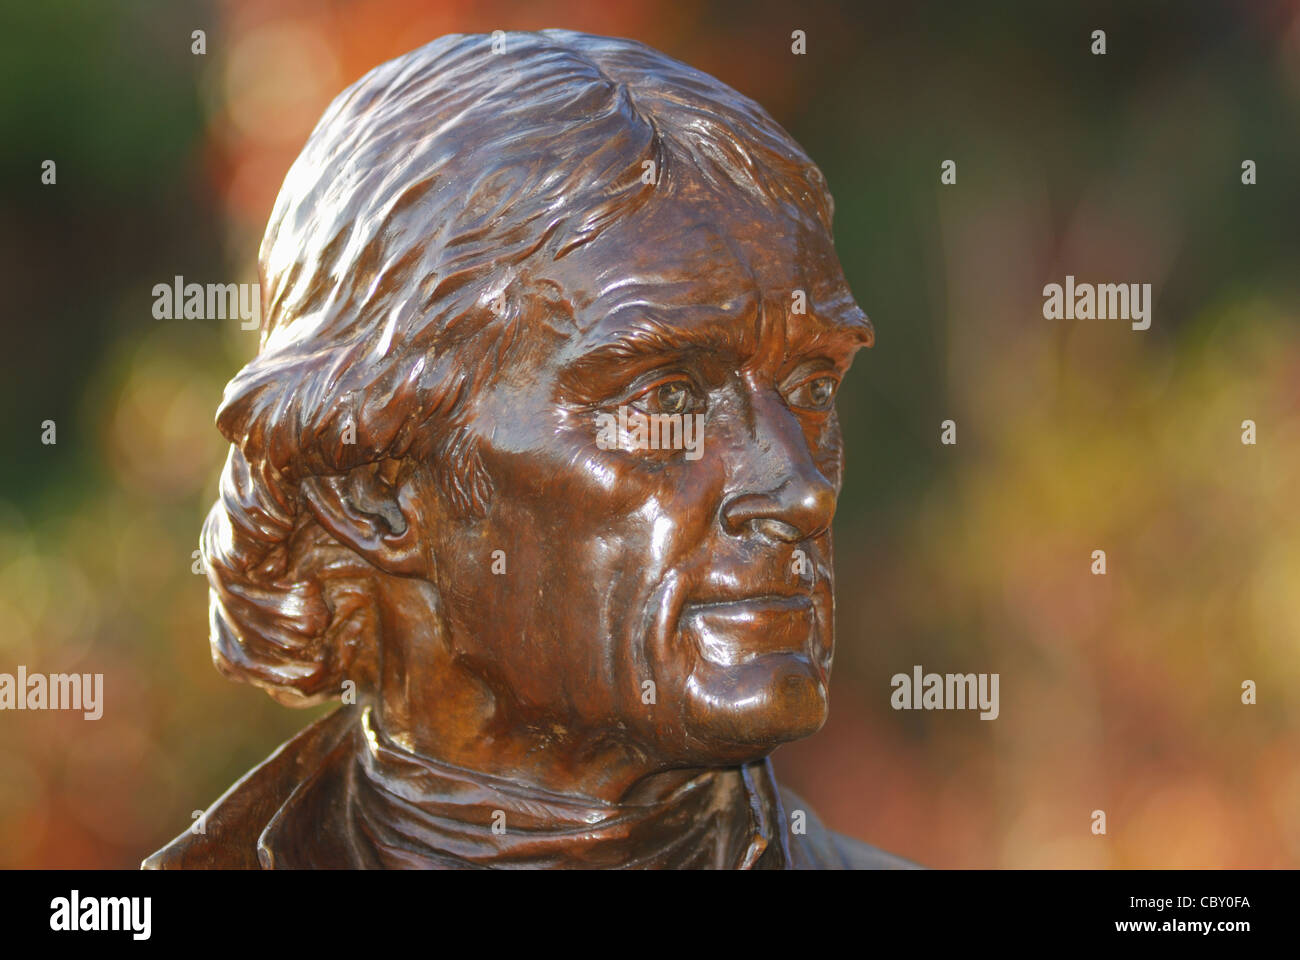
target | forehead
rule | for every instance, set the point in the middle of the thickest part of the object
(703, 257)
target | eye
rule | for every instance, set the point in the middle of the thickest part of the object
(676, 395)
(815, 394)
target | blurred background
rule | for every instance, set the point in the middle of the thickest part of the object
(1119, 692)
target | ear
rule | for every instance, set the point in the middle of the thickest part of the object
(373, 515)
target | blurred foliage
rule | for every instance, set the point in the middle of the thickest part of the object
(1118, 692)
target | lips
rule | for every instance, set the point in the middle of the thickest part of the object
(732, 632)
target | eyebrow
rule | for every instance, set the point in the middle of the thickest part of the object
(841, 319)
(648, 336)
(842, 325)
(655, 329)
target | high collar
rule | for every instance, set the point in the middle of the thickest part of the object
(374, 804)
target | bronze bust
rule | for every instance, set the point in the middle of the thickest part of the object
(535, 470)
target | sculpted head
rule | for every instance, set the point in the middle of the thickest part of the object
(477, 255)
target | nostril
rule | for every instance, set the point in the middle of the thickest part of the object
(739, 512)
(778, 530)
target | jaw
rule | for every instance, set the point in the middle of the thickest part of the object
(746, 712)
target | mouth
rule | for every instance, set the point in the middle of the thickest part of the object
(738, 631)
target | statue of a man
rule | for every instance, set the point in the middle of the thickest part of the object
(535, 470)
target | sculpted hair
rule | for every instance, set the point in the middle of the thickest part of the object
(392, 289)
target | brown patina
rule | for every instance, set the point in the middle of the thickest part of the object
(553, 650)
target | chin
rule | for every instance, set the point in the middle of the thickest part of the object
(743, 712)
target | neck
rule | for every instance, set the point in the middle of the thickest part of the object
(401, 809)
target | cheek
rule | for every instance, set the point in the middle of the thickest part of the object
(574, 540)
(609, 501)
(827, 449)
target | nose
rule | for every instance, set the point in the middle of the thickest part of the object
(786, 499)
